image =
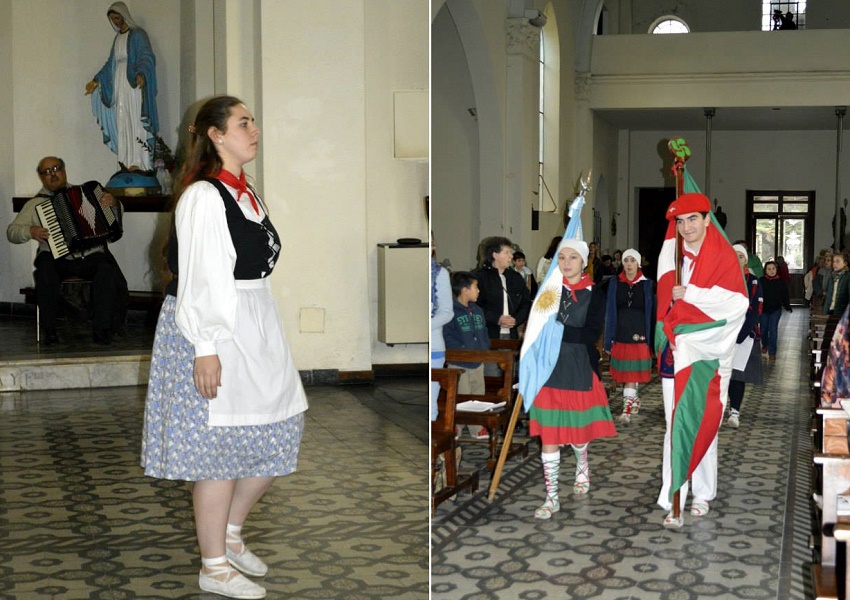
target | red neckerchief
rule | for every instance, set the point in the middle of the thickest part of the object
(622, 277)
(766, 276)
(241, 185)
(583, 283)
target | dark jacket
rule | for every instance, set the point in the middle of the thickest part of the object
(751, 319)
(775, 294)
(611, 312)
(843, 293)
(466, 331)
(490, 298)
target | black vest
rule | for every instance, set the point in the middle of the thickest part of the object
(257, 244)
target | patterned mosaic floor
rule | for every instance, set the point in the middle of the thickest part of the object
(79, 520)
(611, 544)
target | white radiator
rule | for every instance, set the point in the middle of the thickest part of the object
(403, 293)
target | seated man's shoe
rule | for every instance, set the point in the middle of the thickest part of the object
(102, 337)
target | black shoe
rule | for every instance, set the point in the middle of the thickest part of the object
(102, 337)
(51, 336)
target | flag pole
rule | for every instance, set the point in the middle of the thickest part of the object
(506, 448)
(679, 148)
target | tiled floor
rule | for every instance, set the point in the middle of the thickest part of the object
(611, 544)
(78, 519)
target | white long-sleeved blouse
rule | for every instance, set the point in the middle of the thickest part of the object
(206, 296)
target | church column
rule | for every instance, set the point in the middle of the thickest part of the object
(584, 152)
(521, 130)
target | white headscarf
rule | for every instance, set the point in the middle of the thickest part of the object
(577, 245)
(633, 253)
(741, 250)
(121, 9)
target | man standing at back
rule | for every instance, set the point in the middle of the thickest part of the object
(699, 317)
(109, 288)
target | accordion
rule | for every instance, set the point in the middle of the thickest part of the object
(76, 220)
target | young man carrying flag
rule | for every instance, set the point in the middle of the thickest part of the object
(698, 322)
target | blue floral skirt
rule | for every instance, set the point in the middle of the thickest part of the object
(177, 442)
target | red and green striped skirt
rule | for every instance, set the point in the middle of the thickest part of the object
(571, 417)
(630, 363)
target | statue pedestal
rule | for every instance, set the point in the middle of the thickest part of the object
(133, 183)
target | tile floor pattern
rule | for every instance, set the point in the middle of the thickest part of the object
(611, 544)
(78, 519)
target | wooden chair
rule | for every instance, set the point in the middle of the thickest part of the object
(499, 390)
(63, 285)
(493, 384)
(443, 442)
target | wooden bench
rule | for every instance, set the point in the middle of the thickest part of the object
(443, 443)
(828, 574)
(831, 485)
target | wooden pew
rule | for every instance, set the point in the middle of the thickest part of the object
(827, 575)
(495, 420)
(443, 441)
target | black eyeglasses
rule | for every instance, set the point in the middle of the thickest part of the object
(51, 170)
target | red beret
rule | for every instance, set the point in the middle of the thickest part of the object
(688, 203)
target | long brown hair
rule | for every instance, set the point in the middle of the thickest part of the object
(202, 159)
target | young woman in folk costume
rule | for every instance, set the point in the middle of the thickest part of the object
(225, 405)
(571, 408)
(746, 362)
(628, 322)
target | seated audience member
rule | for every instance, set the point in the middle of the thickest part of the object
(108, 288)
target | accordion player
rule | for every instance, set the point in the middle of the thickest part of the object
(76, 220)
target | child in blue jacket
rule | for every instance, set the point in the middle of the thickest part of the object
(467, 331)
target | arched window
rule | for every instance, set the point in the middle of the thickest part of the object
(669, 24)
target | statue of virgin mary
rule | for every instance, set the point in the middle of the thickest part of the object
(124, 93)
